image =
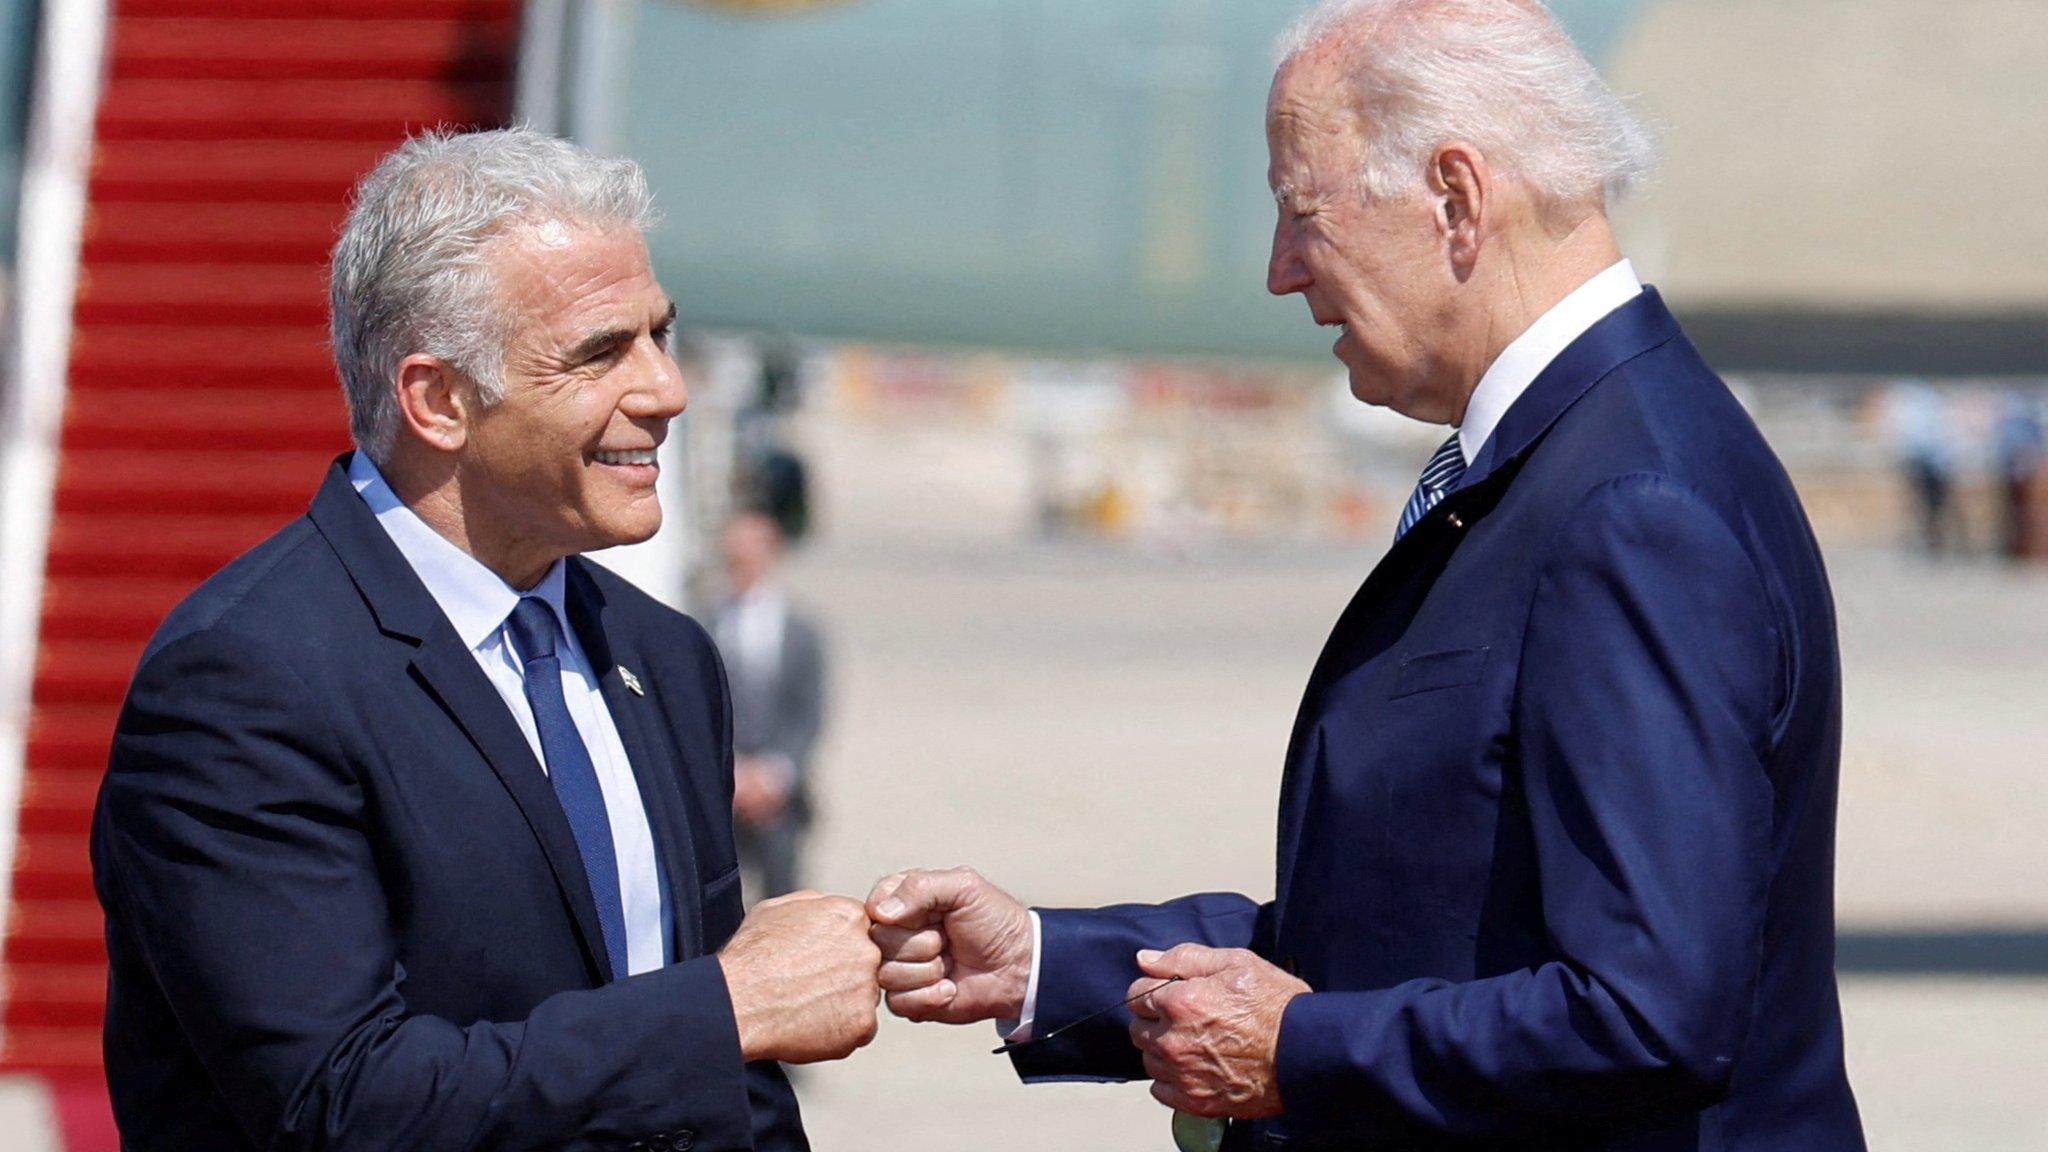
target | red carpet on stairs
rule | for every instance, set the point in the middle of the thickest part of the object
(202, 405)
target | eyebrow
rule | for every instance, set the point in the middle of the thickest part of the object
(598, 342)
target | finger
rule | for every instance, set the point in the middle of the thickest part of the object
(1189, 960)
(900, 977)
(884, 888)
(1139, 994)
(1146, 1035)
(925, 896)
(923, 1003)
(796, 897)
(908, 944)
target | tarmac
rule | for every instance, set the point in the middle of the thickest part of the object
(1094, 722)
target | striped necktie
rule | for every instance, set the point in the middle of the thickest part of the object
(1439, 476)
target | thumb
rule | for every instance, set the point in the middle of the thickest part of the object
(1189, 961)
(922, 897)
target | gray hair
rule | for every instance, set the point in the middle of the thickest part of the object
(1500, 74)
(411, 271)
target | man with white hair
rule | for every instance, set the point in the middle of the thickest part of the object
(1556, 829)
(416, 830)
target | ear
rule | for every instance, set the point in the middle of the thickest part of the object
(435, 402)
(1460, 181)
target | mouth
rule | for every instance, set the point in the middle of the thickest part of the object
(638, 464)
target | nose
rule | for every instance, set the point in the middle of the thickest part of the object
(660, 394)
(1285, 273)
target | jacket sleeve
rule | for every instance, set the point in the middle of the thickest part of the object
(1089, 963)
(1648, 683)
(235, 855)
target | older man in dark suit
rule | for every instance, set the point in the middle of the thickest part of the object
(1556, 828)
(416, 828)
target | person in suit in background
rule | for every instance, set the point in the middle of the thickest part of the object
(416, 828)
(775, 660)
(1556, 826)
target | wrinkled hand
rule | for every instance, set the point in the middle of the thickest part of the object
(760, 789)
(801, 975)
(1211, 1040)
(955, 948)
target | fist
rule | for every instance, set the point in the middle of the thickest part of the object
(801, 975)
(955, 948)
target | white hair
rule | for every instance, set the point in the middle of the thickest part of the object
(1499, 74)
(411, 270)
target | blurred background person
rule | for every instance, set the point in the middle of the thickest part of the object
(2016, 453)
(1917, 424)
(775, 660)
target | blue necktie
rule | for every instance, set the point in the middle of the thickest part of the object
(570, 770)
(1439, 476)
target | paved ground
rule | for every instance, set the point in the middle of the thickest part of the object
(1087, 723)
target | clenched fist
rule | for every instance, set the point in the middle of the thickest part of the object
(801, 975)
(955, 947)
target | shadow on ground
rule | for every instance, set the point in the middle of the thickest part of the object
(1959, 952)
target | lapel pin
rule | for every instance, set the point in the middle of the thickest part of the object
(632, 681)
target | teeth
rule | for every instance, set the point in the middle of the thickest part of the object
(636, 456)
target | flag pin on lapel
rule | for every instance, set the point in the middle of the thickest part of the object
(632, 681)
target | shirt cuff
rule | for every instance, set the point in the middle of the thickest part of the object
(1019, 1030)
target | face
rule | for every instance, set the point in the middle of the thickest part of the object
(565, 461)
(1374, 272)
(752, 545)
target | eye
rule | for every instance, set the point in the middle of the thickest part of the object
(663, 335)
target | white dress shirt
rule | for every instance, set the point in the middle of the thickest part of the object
(477, 602)
(1529, 354)
(1503, 383)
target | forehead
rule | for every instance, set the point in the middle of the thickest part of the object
(562, 274)
(1309, 122)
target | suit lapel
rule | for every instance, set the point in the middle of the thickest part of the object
(449, 672)
(1379, 612)
(651, 753)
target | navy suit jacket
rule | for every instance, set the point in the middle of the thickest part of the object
(344, 909)
(1556, 832)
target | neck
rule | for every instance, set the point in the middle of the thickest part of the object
(432, 488)
(1537, 269)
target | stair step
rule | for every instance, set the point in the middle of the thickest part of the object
(56, 885)
(130, 604)
(53, 1051)
(232, 162)
(311, 49)
(113, 481)
(144, 348)
(324, 9)
(80, 671)
(232, 419)
(377, 110)
(141, 539)
(59, 804)
(67, 744)
(246, 233)
(60, 922)
(242, 295)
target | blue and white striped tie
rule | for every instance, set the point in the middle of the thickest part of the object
(1439, 476)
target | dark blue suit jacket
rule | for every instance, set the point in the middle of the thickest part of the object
(344, 909)
(1556, 833)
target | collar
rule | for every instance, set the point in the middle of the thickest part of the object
(475, 599)
(1520, 362)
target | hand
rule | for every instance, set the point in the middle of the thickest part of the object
(801, 975)
(955, 948)
(1211, 1040)
(760, 789)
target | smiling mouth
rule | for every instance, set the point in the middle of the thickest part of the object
(1343, 326)
(628, 457)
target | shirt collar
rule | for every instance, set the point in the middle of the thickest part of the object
(475, 599)
(1523, 360)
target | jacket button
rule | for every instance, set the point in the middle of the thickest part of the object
(1455, 522)
(683, 1141)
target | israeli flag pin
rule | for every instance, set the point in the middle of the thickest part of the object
(632, 681)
